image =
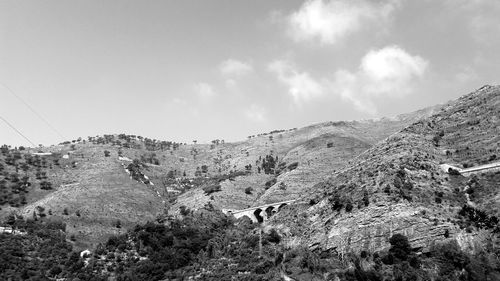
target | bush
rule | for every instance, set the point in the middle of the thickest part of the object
(337, 203)
(348, 207)
(273, 236)
(248, 190)
(366, 199)
(270, 183)
(45, 185)
(184, 210)
(400, 247)
(212, 188)
(293, 166)
(106, 153)
(282, 186)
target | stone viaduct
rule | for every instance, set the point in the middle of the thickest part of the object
(491, 167)
(259, 213)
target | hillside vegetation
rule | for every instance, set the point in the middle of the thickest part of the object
(398, 186)
(99, 183)
(373, 203)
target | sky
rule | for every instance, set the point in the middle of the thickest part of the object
(203, 70)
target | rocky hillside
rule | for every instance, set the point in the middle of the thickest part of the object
(398, 186)
(100, 186)
(301, 158)
(376, 199)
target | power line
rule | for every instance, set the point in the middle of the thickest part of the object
(14, 128)
(34, 111)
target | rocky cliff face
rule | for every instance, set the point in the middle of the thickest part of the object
(397, 186)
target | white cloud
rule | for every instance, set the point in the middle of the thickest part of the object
(204, 91)
(301, 85)
(388, 72)
(233, 67)
(331, 20)
(256, 113)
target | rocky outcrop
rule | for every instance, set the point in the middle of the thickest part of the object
(397, 186)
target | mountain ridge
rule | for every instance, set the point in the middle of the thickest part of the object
(399, 187)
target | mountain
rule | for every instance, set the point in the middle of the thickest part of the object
(96, 196)
(414, 197)
(399, 186)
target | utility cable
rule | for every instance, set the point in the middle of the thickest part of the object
(14, 128)
(34, 111)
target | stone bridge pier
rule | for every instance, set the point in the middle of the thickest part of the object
(261, 213)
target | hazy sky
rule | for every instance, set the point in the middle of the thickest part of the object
(206, 69)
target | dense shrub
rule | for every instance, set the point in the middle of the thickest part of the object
(270, 183)
(348, 207)
(400, 247)
(293, 166)
(212, 188)
(269, 163)
(45, 185)
(479, 218)
(210, 246)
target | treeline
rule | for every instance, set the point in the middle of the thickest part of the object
(129, 141)
(19, 170)
(273, 132)
(207, 245)
(41, 253)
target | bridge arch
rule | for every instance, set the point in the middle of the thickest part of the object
(270, 211)
(261, 213)
(281, 206)
(257, 215)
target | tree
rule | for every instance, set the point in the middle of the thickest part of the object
(106, 153)
(204, 169)
(45, 185)
(400, 247)
(25, 167)
(348, 207)
(366, 199)
(212, 188)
